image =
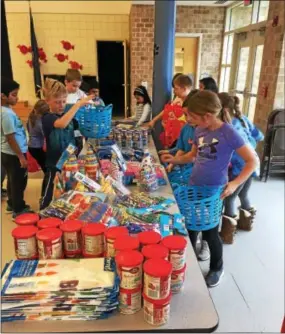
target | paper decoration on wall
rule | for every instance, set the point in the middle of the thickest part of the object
(30, 63)
(67, 45)
(75, 65)
(42, 55)
(24, 49)
(61, 57)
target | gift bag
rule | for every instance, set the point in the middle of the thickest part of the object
(33, 166)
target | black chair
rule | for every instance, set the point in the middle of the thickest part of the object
(273, 159)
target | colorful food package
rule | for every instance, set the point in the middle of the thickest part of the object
(115, 171)
(58, 189)
(71, 149)
(91, 164)
(69, 169)
(147, 178)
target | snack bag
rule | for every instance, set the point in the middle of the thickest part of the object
(91, 164)
(147, 177)
(115, 171)
(58, 189)
(69, 169)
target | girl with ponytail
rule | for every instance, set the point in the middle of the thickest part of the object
(231, 113)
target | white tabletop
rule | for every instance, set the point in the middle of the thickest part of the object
(191, 310)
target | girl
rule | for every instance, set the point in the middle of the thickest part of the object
(214, 144)
(231, 113)
(36, 135)
(143, 106)
(59, 131)
(208, 84)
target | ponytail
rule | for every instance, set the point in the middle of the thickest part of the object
(238, 112)
(225, 116)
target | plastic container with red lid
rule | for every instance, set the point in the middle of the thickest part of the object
(25, 242)
(130, 301)
(27, 219)
(177, 250)
(129, 268)
(93, 240)
(50, 243)
(111, 235)
(126, 242)
(149, 238)
(72, 239)
(156, 312)
(177, 280)
(155, 252)
(157, 278)
(49, 222)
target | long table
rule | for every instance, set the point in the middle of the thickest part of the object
(191, 310)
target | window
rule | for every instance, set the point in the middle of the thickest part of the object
(226, 63)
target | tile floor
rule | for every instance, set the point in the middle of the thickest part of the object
(251, 296)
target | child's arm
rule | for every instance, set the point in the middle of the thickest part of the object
(151, 124)
(145, 114)
(249, 158)
(179, 153)
(15, 147)
(254, 131)
(63, 121)
(182, 159)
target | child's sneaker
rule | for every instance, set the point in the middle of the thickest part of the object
(246, 219)
(229, 226)
(204, 253)
(27, 209)
(214, 277)
(9, 209)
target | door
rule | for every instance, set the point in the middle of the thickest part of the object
(186, 56)
(111, 74)
(127, 81)
(246, 71)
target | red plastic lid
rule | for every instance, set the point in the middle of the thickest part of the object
(71, 226)
(177, 272)
(126, 242)
(175, 242)
(155, 252)
(157, 268)
(129, 291)
(149, 237)
(27, 219)
(49, 234)
(24, 232)
(49, 222)
(158, 302)
(129, 258)
(93, 229)
(116, 231)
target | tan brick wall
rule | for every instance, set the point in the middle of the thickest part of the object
(206, 20)
(280, 88)
(270, 64)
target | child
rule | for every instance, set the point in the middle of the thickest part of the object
(58, 129)
(143, 106)
(73, 80)
(13, 148)
(231, 113)
(36, 135)
(214, 143)
(208, 84)
(94, 90)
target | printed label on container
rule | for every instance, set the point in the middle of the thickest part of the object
(26, 248)
(131, 277)
(110, 250)
(177, 259)
(154, 315)
(177, 281)
(156, 287)
(94, 245)
(50, 250)
(71, 241)
(130, 303)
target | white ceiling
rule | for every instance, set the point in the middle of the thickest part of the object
(189, 3)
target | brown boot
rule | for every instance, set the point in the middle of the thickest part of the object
(229, 226)
(245, 220)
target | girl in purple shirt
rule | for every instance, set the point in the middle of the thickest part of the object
(214, 144)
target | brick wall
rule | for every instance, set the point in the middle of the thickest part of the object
(270, 64)
(206, 20)
(280, 91)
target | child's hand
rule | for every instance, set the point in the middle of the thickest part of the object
(23, 162)
(163, 152)
(86, 100)
(167, 158)
(169, 168)
(230, 189)
(151, 124)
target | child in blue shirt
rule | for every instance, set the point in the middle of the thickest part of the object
(13, 149)
(231, 113)
(214, 144)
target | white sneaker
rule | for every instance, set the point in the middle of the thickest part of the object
(204, 253)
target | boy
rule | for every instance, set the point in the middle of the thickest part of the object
(94, 90)
(13, 148)
(182, 86)
(73, 81)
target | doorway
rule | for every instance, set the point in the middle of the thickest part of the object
(248, 51)
(187, 55)
(111, 74)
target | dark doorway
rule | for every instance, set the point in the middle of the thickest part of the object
(111, 75)
(6, 67)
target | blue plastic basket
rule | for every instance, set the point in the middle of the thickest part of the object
(95, 121)
(201, 206)
(180, 175)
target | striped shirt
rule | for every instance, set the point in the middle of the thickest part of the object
(142, 114)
